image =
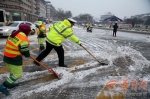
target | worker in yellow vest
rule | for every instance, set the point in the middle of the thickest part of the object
(9, 22)
(41, 34)
(86, 25)
(17, 46)
(59, 32)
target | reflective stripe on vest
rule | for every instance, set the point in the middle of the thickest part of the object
(40, 29)
(61, 32)
(51, 41)
(11, 49)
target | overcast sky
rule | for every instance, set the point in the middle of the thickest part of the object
(96, 8)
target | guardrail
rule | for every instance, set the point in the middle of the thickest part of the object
(132, 30)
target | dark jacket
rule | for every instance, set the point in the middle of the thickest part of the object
(115, 27)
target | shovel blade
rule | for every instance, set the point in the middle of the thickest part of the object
(104, 62)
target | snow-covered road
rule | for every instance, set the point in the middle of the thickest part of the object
(127, 55)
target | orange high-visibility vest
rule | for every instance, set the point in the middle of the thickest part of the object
(42, 26)
(11, 48)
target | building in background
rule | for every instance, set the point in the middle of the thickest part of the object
(41, 9)
(19, 10)
(29, 10)
(48, 12)
(53, 12)
(107, 15)
(142, 16)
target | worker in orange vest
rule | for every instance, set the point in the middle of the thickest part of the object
(17, 46)
(41, 34)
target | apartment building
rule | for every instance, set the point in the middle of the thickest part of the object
(19, 10)
(51, 12)
(41, 9)
(48, 6)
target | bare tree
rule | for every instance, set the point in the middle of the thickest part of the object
(61, 14)
(84, 18)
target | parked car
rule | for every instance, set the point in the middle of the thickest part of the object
(94, 24)
(7, 30)
(35, 23)
(99, 25)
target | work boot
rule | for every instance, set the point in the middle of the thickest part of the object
(103, 64)
(63, 65)
(4, 90)
(13, 85)
(34, 62)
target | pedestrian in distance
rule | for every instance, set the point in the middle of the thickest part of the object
(59, 32)
(115, 27)
(16, 47)
(41, 32)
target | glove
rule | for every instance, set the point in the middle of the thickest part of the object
(79, 43)
(44, 35)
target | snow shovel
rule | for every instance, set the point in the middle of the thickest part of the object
(49, 69)
(94, 57)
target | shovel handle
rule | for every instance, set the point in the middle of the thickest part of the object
(91, 54)
(49, 69)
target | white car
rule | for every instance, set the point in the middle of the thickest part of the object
(99, 25)
(35, 23)
(7, 30)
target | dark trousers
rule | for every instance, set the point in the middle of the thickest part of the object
(49, 47)
(114, 33)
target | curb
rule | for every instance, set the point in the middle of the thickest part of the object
(139, 32)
